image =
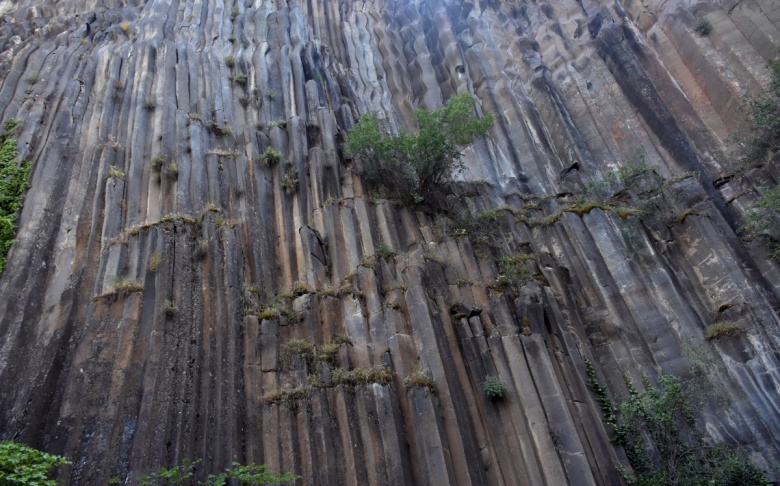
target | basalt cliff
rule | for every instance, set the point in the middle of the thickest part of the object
(173, 293)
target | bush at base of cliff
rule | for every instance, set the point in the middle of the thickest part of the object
(23, 465)
(412, 168)
(658, 431)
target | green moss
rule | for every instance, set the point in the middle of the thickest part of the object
(13, 183)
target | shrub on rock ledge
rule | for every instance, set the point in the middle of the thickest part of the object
(412, 168)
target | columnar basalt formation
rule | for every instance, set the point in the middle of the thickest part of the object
(163, 266)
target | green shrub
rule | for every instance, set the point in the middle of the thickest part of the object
(239, 78)
(764, 220)
(270, 156)
(13, 183)
(412, 168)
(242, 474)
(115, 172)
(513, 272)
(234, 12)
(384, 252)
(290, 179)
(230, 60)
(657, 429)
(24, 466)
(703, 27)
(493, 388)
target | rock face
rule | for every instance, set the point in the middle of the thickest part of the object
(148, 314)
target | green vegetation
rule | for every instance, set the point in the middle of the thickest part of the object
(115, 172)
(703, 27)
(242, 474)
(420, 378)
(341, 339)
(720, 329)
(362, 376)
(234, 12)
(290, 178)
(150, 103)
(171, 170)
(270, 157)
(327, 352)
(296, 346)
(513, 272)
(384, 252)
(764, 220)
(154, 261)
(13, 183)
(174, 475)
(763, 115)
(286, 396)
(169, 308)
(157, 162)
(239, 78)
(657, 429)
(249, 474)
(493, 388)
(230, 60)
(413, 168)
(482, 227)
(24, 466)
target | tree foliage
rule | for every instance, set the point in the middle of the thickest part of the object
(13, 182)
(412, 167)
(23, 465)
(657, 429)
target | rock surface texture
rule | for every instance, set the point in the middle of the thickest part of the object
(146, 314)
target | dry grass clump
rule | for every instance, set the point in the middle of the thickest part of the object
(720, 329)
(121, 287)
(362, 376)
(154, 261)
(341, 339)
(420, 378)
(286, 396)
(327, 352)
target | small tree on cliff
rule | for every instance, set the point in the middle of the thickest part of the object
(412, 168)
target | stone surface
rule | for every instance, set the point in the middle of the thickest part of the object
(577, 87)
